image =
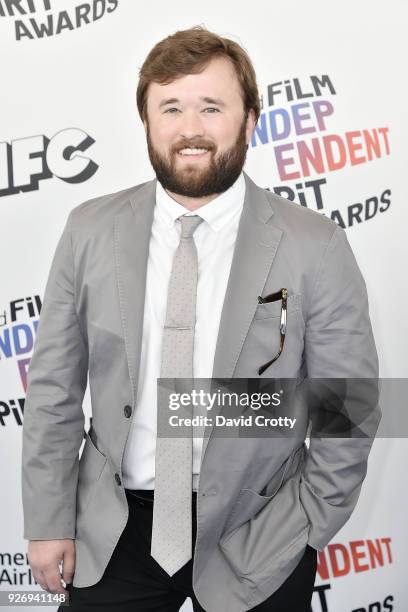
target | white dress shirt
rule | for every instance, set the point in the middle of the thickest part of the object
(215, 241)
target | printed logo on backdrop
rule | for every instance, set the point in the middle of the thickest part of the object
(339, 560)
(18, 328)
(295, 126)
(24, 162)
(34, 19)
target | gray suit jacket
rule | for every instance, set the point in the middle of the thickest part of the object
(260, 501)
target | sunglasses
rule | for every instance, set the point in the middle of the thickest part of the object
(273, 297)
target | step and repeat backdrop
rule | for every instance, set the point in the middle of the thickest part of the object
(332, 136)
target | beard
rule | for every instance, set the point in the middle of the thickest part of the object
(193, 180)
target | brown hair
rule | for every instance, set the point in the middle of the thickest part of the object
(189, 52)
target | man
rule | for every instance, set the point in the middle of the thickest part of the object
(162, 281)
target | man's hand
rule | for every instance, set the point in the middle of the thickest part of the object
(44, 557)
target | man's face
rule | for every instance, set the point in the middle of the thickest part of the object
(197, 132)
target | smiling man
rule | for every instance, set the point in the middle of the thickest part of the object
(198, 273)
(197, 143)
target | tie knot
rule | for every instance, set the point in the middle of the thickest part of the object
(189, 224)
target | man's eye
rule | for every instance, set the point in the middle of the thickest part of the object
(212, 108)
(170, 110)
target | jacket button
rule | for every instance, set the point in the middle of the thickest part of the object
(127, 410)
(117, 478)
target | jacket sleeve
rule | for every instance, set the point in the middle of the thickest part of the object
(53, 417)
(339, 344)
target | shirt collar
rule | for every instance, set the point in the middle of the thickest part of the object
(216, 213)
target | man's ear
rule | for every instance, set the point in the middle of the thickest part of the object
(250, 125)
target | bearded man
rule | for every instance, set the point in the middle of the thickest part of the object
(198, 273)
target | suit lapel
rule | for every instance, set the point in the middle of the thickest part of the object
(255, 248)
(132, 235)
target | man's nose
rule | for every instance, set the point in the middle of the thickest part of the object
(191, 125)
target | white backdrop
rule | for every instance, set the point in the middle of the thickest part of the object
(68, 79)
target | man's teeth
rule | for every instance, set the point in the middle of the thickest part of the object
(192, 151)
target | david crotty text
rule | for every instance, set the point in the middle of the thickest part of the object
(219, 420)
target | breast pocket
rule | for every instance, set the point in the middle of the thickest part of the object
(273, 309)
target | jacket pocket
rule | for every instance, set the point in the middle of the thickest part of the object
(249, 502)
(91, 465)
(269, 540)
(273, 309)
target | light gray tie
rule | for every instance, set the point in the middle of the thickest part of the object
(171, 544)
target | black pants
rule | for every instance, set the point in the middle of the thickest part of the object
(134, 582)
